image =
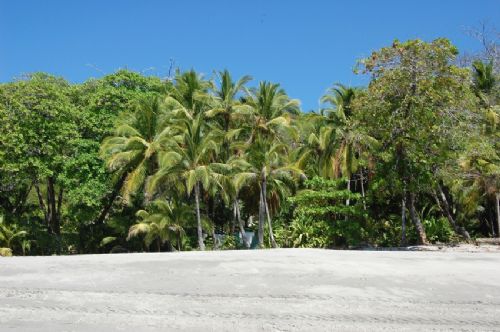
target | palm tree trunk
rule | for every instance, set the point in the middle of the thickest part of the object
(271, 234)
(362, 188)
(215, 239)
(261, 220)
(443, 205)
(347, 202)
(201, 244)
(266, 207)
(403, 221)
(422, 238)
(497, 196)
(240, 224)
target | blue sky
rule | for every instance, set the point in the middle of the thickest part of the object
(304, 45)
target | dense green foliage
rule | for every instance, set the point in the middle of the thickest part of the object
(133, 163)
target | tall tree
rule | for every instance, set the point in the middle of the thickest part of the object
(415, 96)
(188, 159)
(132, 151)
(38, 133)
(270, 126)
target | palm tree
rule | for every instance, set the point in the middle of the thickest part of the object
(225, 99)
(484, 82)
(341, 98)
(265, 163)
(8, 234)
(483, 77)
(267, 130)
(352, 143)
(230, 190)
(161, 221)
(481, 177)
(271, 109)
(188, 94)
(189, 158)
(133, 149)
(318, 145)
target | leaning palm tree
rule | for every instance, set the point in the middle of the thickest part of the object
(187, 163)
(161, 221)
(133, 148)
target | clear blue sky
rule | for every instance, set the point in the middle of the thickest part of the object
(304, 45)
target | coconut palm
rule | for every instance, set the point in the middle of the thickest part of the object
(269, 128)
(266, 164)
(9, 234)
(188, 93)
(483, 77)
(351, 143)
(340, 97)
(225, 99)
(484, 82)
(162, 221)
(317, 151)
(187, 163)
(226, 110)
(133, 149)
(271, 110)
(481, 178)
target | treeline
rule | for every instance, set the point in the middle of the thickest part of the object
(130, 163)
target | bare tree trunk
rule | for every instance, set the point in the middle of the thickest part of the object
(403, 221)
(240, 224)
(271, 235)
(497, 196)
(422, 238)
(443, 205)
(43, 207)
(52, 205)
(201, 244)
(261, 220)
(109, 199)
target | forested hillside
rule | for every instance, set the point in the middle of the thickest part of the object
(129, 162)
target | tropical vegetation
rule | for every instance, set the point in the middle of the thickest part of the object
(129, 162)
